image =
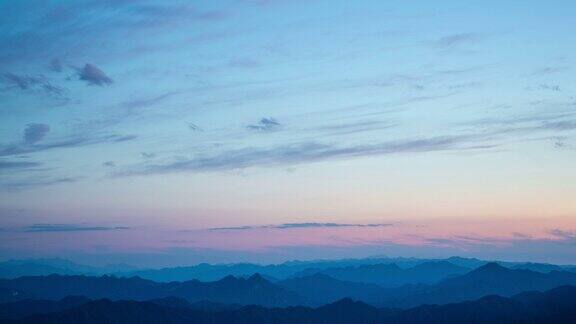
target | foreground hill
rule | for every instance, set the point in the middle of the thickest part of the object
(555, 306)
(26, 307)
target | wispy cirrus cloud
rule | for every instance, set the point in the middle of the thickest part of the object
(354, 127)
(28, 183)
(10, 165)
(149, 101)
(139, 19)
(30, 82)
(458, 39)
(309, 152)
(299, 225)
(529, 124)
(563, 234)
(77, 140)
(38, 228)
(550, 70)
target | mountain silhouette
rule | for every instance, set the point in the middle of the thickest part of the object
(391, 275)
(42, 267)
(22, 308)
(321, 289)
(554, 306)
(229, 290)
(317, 289)
(488, 279)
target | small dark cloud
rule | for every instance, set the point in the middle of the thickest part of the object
(244, 63)
(8, 165)
(125, 138)
(109, 164)
(299, 225)
(457, 39)
(37, 228)
(93, 75)
(465, 85)
(521, 235)
(56, 65)
(559, 144)
(555, 88)
(149, 101)
(35, 132)
(148, 155)
(265, 125)
(194, 127)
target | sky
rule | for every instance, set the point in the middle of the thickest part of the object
(163, 133)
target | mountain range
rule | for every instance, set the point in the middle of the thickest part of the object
(316, 289)
(43, 267)
(391, 275)
(399, 271)
(553, 306)
(231, 290)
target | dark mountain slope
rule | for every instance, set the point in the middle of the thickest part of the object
(230, 290)
(555, 306)
(22, 308)
(490, 279)
(321, 289)
(117, 312)
(390, 275)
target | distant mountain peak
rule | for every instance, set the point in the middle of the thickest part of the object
(492, 267)
(228, 278)
(322, 276)
(344, 301)
(257, 278)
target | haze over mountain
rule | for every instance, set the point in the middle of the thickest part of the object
(38, 267)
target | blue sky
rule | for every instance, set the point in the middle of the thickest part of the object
(138, 127)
